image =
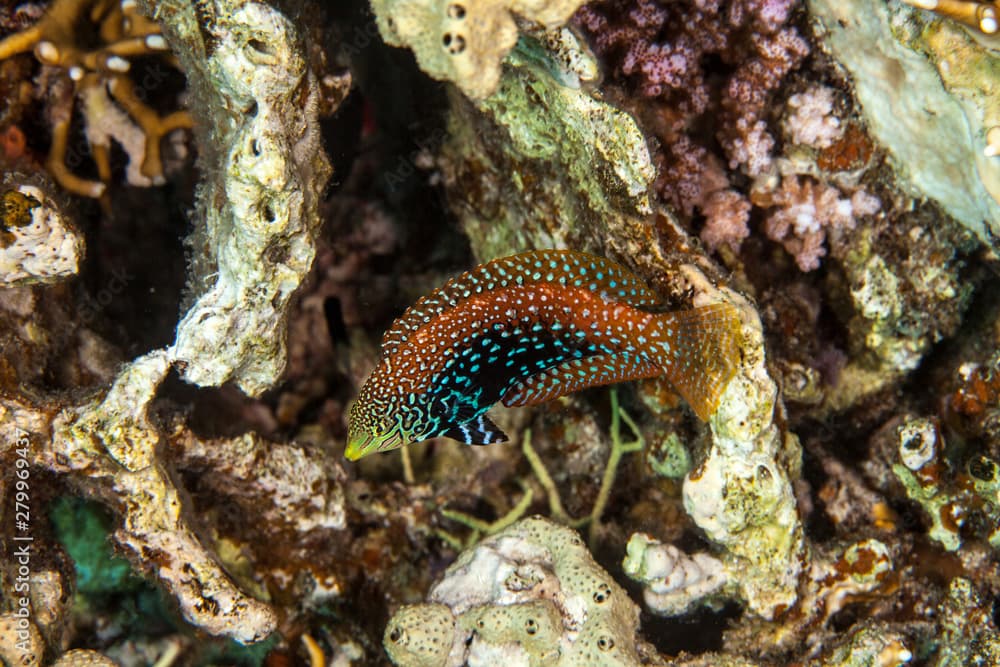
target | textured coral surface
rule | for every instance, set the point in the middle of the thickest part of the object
(186, 315)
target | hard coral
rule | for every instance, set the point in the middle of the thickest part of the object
(661, 49)
(464, 41)
(669, 53)
(110, 103)
(805, 210)
(810, 121)
(531, 594)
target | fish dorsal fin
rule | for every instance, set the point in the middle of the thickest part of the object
(563, 267)
(477, 431)
(571, 376)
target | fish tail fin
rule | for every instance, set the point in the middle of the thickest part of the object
(698, 351)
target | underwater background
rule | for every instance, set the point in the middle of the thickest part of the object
(211, 211)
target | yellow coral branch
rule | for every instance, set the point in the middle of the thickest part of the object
(979, 15)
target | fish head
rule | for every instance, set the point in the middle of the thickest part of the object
(380, 421)
(370, 433)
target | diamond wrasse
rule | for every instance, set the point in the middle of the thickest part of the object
(526, 329)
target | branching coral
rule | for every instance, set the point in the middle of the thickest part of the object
(112, 106)
(804, 213)
(661, 49)
(810, 120)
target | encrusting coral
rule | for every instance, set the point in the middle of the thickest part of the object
(938, 139)
(97, 83)
(39, 243)
(673, 581)
(531, 594)
(464, 41)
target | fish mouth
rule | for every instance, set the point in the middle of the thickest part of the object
(370, 443)
(356, 448)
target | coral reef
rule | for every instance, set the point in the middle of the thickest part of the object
(531, 594)
(464, 41)
(173, 402)
(108, 445)
(746, 469)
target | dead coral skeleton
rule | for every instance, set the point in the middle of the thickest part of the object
(96, 82)
(107, 446)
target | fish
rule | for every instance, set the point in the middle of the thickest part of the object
(526, 329)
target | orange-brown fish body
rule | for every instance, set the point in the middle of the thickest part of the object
(526, 329)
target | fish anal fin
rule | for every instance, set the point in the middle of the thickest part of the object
(577, 374)
(477, 431)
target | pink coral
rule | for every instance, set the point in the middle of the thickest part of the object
(710, 67)
(810, 120)
(726, 215)
(804, 211)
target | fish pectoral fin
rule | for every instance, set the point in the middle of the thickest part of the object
(477, 431)
(577, 374)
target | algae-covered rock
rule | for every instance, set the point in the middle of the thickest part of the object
(929, 94)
